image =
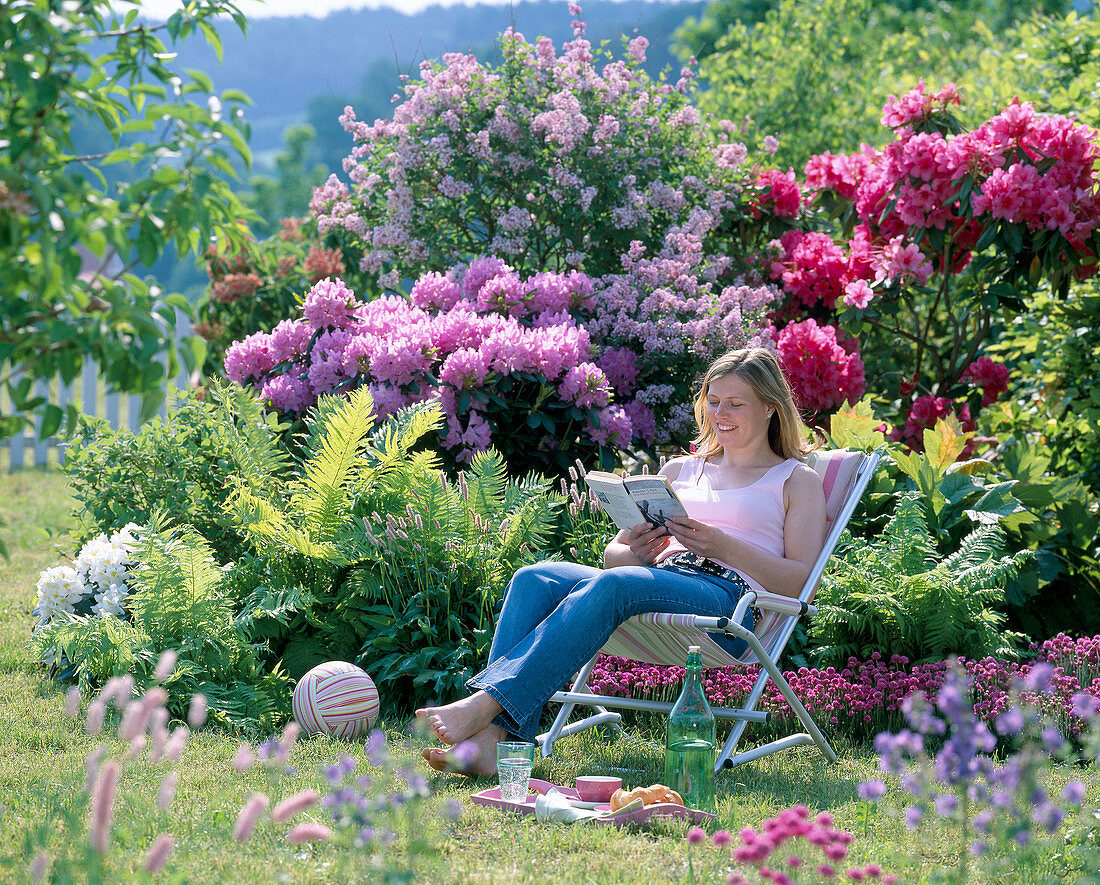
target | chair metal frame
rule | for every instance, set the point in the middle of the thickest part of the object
(694, 629)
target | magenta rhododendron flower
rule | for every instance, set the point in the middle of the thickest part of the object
(917, 104)
(778, 192)
(821, 371)
(989, 376)
(812, 268)
(858, 294)
(926, 411)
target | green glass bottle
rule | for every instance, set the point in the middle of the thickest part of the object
(690, 740)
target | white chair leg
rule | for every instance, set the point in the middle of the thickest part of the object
(558, 726)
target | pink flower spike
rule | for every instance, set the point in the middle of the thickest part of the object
(243, 758)
(722, 838)
(72, 702)
(93, 722)
(293, 804)
(91, 767)
(310, 832)
(158, 854)
(176, 743)
(167, 792)
(286, 743)
(695, 836)
(249, 817)
(39, 867)
(196, 711)
(103, 806)
(165, 666)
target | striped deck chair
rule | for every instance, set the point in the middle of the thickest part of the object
(662, 638)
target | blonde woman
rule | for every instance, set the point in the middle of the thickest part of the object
(756, 519)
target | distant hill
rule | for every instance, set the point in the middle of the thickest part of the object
(285, 64)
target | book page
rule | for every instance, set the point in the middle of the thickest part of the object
(655, 498)
(608, 490)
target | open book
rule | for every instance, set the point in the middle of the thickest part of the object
(632, 500)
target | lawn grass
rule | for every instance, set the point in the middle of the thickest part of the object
(42, 768)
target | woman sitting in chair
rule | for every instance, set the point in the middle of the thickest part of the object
(756, 519)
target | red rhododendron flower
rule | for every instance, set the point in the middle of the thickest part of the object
(778, 193)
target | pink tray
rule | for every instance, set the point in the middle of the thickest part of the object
(662, 810)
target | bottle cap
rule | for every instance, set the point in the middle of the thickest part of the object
(693, 649)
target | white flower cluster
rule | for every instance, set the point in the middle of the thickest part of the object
(100, 573)
(59, 589)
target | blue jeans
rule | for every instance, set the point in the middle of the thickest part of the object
(557, 615)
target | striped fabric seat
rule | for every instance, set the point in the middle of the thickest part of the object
(663, 638)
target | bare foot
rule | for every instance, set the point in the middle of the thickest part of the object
(476, 756)
(461, 720)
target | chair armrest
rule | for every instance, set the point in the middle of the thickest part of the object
(784, 604)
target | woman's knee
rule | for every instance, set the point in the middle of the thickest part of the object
(617, 586)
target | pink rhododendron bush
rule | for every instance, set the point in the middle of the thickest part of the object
(508, 358)
(938, 239)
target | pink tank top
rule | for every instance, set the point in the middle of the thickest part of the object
(755, 513)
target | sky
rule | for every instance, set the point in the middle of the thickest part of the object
(318, 8)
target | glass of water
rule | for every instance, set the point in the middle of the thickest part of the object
(515, 759)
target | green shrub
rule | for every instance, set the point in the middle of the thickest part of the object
(898, 595)
(372, 555)
(1015, 485)
(185, 466)
(178, 603)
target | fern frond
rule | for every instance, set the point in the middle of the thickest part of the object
(390, 444)
(907, 544)
(175, 587)
(266, 603)
(98, 647)
(335, 445)
(252, 441)
(486, 478)
(273, 532)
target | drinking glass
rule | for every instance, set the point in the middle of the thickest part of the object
(515, 759)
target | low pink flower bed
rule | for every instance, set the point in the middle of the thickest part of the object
(865, 697)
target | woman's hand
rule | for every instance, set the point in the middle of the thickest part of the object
(699, 537)
(646, 541)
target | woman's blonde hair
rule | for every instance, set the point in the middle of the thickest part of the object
(787, 434)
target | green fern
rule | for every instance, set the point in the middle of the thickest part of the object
(98, 648)
(899, 596)
(335, 446)
(254, 445)
(175, 588)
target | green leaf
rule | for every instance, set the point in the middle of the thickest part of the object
(51, 421)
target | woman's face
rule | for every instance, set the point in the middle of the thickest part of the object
(736, 414)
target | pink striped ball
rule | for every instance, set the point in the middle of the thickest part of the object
(337, 699)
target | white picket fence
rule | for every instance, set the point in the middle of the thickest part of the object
(120, 410)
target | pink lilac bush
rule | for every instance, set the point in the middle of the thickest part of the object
(555, 159)
(664, 318)
(867, 696)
